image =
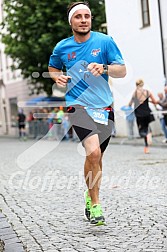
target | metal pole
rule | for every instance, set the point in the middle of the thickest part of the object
(162, 42)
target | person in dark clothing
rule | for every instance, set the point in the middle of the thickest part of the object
(163, 103)
(21, 118)
(141, 98)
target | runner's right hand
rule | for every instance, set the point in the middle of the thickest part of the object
(62, 80)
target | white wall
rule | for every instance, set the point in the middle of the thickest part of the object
(141, 49)
(163, 5)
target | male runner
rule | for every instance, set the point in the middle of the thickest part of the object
(89, 58)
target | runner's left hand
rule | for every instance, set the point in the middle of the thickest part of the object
(96, 69)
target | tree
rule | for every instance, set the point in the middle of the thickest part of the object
(31, 29)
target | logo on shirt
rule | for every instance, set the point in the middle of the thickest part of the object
(71, 56)
(95, 52)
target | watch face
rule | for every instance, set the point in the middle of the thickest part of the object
(105, 67)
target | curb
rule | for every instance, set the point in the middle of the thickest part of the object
(119, 140)
(9, 242)
(137, 141)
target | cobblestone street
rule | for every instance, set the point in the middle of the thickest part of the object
(44, 203)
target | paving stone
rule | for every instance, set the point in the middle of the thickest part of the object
(102, 250)
(12, 241)
(4, 224)
(8, 236)
(1, 216)
(14, 248)
(4, 231)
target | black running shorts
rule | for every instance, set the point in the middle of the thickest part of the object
(85, 126)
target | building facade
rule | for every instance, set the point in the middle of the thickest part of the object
(13, 89)
(139, 27)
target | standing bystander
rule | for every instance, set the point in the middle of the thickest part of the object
(163, 119)
(21, 119)
(130, 120)
(142, 110)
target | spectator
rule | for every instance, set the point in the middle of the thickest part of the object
(52, 121)
(130, 120)
(65, 127)
(60, 115)
(21, 119)
(163, 119)
(30, 120)
(143, 114)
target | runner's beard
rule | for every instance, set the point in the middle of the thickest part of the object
(83, 33)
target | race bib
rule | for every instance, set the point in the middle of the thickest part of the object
(98, 115)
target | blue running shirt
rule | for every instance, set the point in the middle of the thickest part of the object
(84, 88)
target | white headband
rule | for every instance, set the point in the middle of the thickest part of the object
(77, 7)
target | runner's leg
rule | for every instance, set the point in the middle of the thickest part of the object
(92, 167)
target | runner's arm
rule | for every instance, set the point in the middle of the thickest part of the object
(114, 70)
(117, 71)
(58, 76)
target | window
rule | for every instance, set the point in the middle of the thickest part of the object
(145, 13)
(13, 111)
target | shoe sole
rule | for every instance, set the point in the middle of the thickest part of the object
(99, 223)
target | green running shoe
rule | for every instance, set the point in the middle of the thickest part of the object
(96, 215)
(88, 204)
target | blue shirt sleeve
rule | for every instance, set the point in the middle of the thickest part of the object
(55, 60)
(114, 55)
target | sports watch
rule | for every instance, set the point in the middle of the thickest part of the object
(105, 67)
